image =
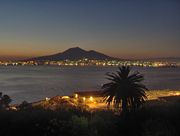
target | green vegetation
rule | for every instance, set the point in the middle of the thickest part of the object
(125, 91)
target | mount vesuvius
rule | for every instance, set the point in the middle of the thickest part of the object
(74, 54)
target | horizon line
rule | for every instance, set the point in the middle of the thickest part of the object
(23, 57)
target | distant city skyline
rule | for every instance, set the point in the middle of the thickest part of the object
(123, 29)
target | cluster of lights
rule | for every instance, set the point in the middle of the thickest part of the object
(91, 99)
(87, 62)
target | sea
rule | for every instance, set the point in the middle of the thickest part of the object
(34, 83)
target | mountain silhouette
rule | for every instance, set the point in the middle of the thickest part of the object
(75, 53)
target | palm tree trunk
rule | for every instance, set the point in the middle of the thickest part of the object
(124, 105)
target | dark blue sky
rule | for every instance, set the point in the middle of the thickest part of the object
(121, 28)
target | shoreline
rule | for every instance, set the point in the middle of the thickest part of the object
(94, 101)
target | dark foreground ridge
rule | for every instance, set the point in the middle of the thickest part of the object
(155, 118)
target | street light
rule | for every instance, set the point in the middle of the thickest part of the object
(91, 98)
(84, 99)
(76, 96)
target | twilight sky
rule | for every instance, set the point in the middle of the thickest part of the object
(120, 28)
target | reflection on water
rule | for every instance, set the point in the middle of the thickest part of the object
(32, 83)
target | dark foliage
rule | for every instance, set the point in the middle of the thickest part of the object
(5, 100)
(148, 121)
(124, 90)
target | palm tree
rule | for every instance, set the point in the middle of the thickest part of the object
(125, 90)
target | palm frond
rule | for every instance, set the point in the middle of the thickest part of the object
(124, 88)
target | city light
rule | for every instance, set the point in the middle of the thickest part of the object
(76, 96)
(47, 99)
(87, 62)
(91, 98)
(65, 97)
(84, 99)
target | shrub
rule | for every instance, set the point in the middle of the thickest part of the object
(5, 100)
(79, 126)
(158, 128)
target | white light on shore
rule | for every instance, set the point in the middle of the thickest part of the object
(47, 99)
(178, 93)
(65, 97)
